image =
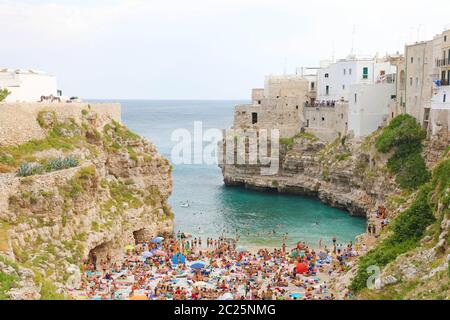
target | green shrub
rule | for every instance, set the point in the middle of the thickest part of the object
(405, 135)
(3, 94)
(407, 230)
(61, 164)
(6, 283)
(288, 142)
(342, 156)
(403, 129)
(28, 169)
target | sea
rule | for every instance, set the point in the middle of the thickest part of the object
(259, 219)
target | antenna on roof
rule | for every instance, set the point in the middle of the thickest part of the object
(333, 53)
(353, 39)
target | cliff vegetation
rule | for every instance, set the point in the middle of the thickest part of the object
(91, 185)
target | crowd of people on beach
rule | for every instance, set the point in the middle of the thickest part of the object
(179, 268)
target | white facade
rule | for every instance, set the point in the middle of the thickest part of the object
(334, 79)
(441, 99)
(27, 85)
(369, 107)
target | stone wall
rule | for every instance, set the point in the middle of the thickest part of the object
(278, 106)
(326, 122)
(18, 120)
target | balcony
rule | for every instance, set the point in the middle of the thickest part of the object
(444, 82)
(443, 62)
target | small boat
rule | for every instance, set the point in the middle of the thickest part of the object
(185, 204)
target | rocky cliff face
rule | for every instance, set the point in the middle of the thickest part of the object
(345, 174)
(353, 176)
(50, 222)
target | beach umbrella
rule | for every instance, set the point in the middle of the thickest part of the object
(178, 258)
(295, 295)
(198, 265)
(294, 254)
(301, 268)
(147, 254)
(129, 247)
(157, 240)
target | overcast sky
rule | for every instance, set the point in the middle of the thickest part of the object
(199, 49)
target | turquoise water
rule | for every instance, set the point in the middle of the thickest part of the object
(215, 208)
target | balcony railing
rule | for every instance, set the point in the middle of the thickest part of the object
(443, 62)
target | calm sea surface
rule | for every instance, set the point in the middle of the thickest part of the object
(259, 218)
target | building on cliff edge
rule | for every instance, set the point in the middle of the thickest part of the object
(424, 83)
(27, 85)
(278, 105)
(357, 95)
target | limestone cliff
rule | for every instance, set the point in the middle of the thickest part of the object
(412, 253)
(52, 218)
(345, 174)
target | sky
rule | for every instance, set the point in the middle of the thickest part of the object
(200, 49)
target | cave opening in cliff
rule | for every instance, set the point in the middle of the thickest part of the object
(101, 253)
(139, 236)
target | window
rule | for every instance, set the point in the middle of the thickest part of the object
(350, 71)
(327, 90)
(313, 85)
(345, 71)
(254, 118)
(444, 98)
(259, 101)
(356, 97)
(323, 118)
(417, 82)
(412, 59)
(326, 75)
(445, 38)
(365, 73)
(410, 81)
(343, 87)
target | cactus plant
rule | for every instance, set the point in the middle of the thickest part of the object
(61, 163)
(28, 169)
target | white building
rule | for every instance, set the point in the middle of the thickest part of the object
(368, 107)
(27, 85)
(335, 78)
(441, 98)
